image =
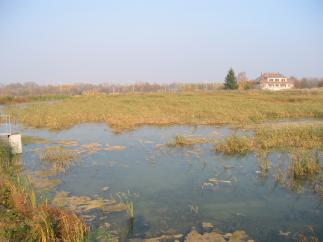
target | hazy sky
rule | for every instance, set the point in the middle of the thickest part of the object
(52, 41)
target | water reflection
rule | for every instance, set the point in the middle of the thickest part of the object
(174, 189)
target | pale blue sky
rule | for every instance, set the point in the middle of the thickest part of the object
(52, 41)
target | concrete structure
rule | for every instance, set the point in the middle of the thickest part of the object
(6, 136)
(274, 82)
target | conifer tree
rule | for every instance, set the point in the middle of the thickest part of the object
(230, 80)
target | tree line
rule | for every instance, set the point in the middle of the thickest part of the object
(232, 81)
(34, 89)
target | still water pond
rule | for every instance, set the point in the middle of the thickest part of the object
(169, 186)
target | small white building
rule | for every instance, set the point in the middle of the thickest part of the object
(7, 138)
(274, 82)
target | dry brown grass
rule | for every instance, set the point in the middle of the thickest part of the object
(235, 145)
(270, 137)
(22, 218)
(181, 141)
(128, 111)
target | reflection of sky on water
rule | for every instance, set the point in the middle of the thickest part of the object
(166, 183)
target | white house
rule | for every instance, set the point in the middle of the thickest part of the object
(274, 81)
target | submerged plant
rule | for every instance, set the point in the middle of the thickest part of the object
(102, 234)
(58, 157)
(23, 218)
(33, 140)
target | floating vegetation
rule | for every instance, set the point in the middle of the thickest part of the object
(57, 157)
(45, 173)
(193, 209)
(68, 143)
(181, 141)
(43, 183)
(211, 182)
(22, 218)
(84, 204)
(95, 147)
(236, 236)
(115, 148)
(308, 235)
(102, 234)
(26, 140)
(303, 143)
(104, 189)
(162, 238)
(57, 154)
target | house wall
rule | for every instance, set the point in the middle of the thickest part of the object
(276, 84)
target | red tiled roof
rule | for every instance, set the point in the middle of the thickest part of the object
(272, 75)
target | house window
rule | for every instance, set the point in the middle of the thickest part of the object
(270, 79)
(276, 80)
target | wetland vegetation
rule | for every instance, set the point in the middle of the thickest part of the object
(181, 182)
(23, 217)
(127, 111)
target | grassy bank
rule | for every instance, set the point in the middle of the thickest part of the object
(22, 218)
(123, 112)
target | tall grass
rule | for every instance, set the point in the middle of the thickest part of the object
(181, 141)
(58, 157)
(22, 218)
(304, 163)
(128, 111)
(235, 145)
(284, 138)
(124, 198)
(302, 142)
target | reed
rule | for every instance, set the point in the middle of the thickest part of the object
(181, 141)
(302, 142)
(23, 218)
(33, 140)
(58, 157)
(270, 137)
(127, 111)
(125, 198)
(235, 145)
(130, 209)
(304, 163)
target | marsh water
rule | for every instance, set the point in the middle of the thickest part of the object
(169, 185)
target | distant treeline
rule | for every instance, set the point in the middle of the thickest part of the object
(34, 89)
(307, 82)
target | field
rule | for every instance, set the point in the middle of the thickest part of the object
(127, 111)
